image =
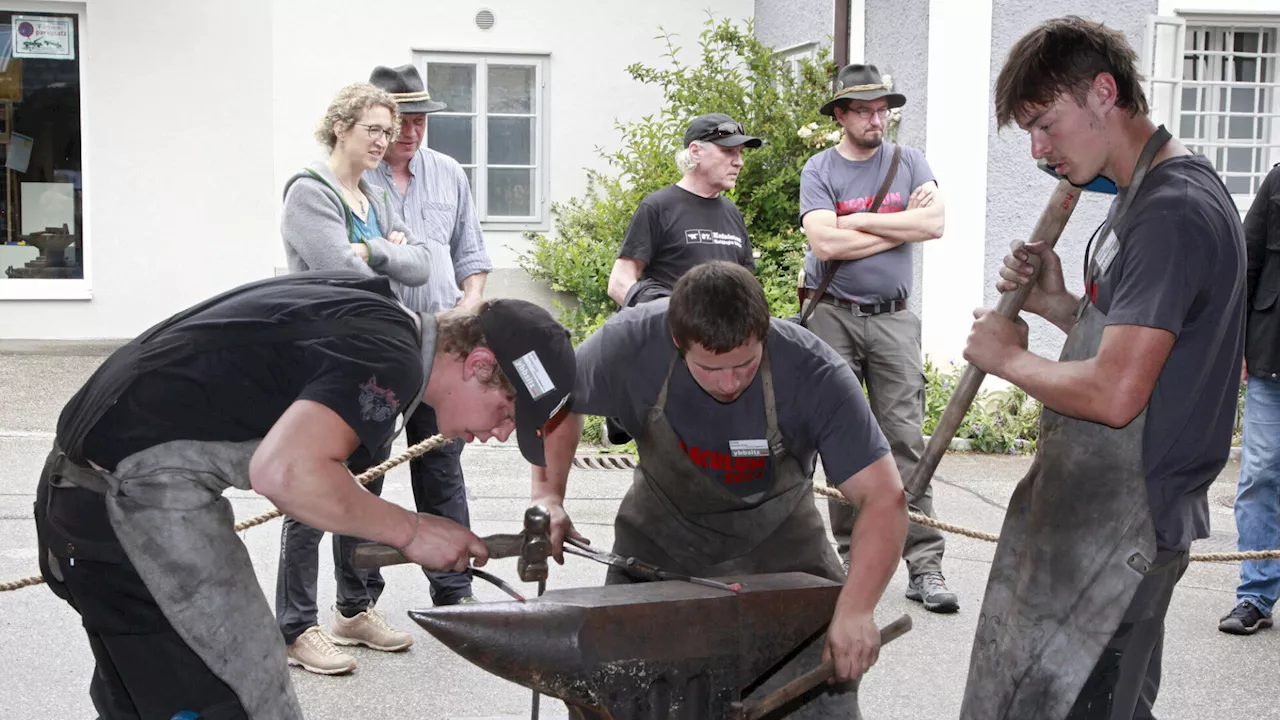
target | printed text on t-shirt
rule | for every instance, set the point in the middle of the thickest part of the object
(736, 469)
(711, 237)
(892, 203)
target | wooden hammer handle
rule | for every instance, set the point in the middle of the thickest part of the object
(1047, 231)
(814, 677)
(374, 555)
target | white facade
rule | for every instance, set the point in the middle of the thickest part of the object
(194, 114)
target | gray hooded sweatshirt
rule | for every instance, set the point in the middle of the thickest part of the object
(314, 229)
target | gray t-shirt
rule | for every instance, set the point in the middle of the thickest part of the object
(832, 182)
(1180, 266)
(821, 408)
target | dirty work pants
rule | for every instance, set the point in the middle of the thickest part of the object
(143, 668)
(299, 571)
(1124, 683)
(1258, 494)
(439, 489)
(884, 352)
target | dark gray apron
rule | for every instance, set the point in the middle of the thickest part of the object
(677, 518)
(1076, 542)
(167, 508)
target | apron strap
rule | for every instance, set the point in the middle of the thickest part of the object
(661, 403)
(1149, 152)
(776, 448)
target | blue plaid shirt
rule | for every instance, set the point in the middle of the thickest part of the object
(438, 208)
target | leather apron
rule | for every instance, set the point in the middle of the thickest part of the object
(1076, 542)
(166, 506)
(677, 518)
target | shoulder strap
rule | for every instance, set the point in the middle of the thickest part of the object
(346, 210)
(875, 207)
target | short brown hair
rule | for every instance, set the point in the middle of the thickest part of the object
(719, 305)
(458, 332)
(1065, 55)
(348, 105)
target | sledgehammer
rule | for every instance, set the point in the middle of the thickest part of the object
(1048, 229)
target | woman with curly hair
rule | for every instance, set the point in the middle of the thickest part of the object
(334, 220)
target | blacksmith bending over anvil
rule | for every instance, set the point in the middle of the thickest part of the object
(1138, 411)
(729, 408)
(273, 387)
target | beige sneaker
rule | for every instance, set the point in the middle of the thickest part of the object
(370, 629)
(314, 652)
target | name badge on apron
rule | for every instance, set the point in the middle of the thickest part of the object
(749, 448)
(1107, 254)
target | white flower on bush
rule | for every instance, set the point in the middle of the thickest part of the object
(804, 132)
(833, 136)
(895, 115)
(888, 81)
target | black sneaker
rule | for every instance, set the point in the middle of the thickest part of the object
(1244, 619)
(931, 589)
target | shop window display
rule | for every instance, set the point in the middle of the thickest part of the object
(41, 232)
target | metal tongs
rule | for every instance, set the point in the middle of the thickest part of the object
(638, 568)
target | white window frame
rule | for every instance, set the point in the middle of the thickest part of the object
(539, 220)
(1163, 60)
(65, 288)
(792, 55)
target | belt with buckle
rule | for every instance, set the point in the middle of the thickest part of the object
(861, 308)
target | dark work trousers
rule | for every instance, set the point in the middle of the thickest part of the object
(439, 489)
(299, 571)
(884, 352)
(143, 668)
(1124, 683)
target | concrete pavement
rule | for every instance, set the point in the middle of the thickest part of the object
(1208, 675)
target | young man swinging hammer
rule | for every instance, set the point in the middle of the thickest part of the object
(1139, 409)
(730, 409)
(274, 387)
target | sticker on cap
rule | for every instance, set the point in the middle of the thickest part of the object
(533, 374)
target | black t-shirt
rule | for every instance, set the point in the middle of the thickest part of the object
(674, 230)
(1179, 265)
(237, 393)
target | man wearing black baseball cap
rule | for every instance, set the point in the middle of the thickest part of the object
(686, 224)
(276, 387)
(690, 222)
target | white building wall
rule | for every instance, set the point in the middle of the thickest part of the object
(196, 112)
(590, 44)
(176, 130)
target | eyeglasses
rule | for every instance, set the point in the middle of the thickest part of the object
(865, 113)
(376, 130)
(724, 130)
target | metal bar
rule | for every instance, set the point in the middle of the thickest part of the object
(803, 684)
(1048, 229)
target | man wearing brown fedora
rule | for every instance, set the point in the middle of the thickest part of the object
(862, 203)
(431, 191)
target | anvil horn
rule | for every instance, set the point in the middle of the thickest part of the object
(639, 651)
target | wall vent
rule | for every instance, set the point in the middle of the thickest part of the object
(485, 19)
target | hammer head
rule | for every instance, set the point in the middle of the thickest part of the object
(532, 566)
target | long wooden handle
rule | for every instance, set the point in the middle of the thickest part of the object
(374, 555)
(814, 677)
(1048, 229)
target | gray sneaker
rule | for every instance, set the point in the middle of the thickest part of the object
(931, 589)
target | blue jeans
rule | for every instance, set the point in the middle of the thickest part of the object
(1258, 495)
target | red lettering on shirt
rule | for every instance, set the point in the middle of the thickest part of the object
(736, 469)
(892, 203)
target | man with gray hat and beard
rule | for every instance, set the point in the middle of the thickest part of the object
(862, 203)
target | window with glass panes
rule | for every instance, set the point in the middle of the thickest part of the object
(492, 127)
(1228, 105)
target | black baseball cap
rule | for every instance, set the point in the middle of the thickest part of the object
(535, 353)
(721, 130)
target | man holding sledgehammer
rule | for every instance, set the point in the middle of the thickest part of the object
(1139, 409)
